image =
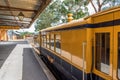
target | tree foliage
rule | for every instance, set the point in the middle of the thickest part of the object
(56, 12)
(77, 7)
(25, 33)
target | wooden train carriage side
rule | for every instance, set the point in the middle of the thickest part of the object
(66, 48)
(63, 47)
(106, 44)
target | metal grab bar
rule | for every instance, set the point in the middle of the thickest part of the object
(83, 53)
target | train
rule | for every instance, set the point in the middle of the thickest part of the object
(84, 49)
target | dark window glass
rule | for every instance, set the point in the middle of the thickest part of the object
(119, 55)
(102, 52)
(48, 41)
(52, 42)
(44, 40)
(58, 43)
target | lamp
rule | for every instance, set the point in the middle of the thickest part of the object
(21, 16)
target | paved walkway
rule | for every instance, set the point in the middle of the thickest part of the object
(18, 62)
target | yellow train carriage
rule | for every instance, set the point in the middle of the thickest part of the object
(106, 44)
(87, 49)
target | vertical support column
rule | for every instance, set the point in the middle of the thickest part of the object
(24, 37)
(3, 35)
(0, 34)
(14, 37)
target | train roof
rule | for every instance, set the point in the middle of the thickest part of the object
(66, 25)
(83, 21)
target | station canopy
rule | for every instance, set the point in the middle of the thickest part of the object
(29, 10)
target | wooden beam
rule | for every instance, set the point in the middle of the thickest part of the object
(6, 8)
(8, 15)
(37, 12)
(9, 27)
(12, 20)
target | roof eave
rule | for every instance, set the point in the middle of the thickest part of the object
(44, 5)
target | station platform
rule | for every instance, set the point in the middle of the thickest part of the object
(18, 61)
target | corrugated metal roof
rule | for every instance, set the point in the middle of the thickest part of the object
(9, 10)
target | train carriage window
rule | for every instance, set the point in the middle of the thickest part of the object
(44, 40)
(58, 43)
(52, 42)
(48, 44)
(119, 55)
(103, 52)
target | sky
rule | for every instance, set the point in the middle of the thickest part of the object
(90, 9)
(30, 29)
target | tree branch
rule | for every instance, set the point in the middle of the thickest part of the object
(98, 1)
(100, 5)
(103, 2)
(93, 6)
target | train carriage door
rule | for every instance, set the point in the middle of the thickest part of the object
(103, 52)
(116, 58)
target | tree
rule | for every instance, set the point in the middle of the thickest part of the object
(22, 34)
(77, 7)
(48, 16)
(111, 3)
(103, 4)
(56, 12)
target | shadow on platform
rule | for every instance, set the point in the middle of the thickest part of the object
(31, 68)
(5, 50)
